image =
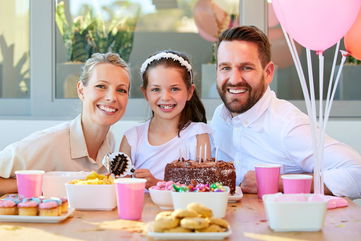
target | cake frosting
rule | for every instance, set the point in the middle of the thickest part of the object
(184, 171)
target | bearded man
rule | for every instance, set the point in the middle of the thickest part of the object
(253, 126)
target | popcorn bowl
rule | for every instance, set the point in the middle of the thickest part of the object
(54, 182)
(217, 201)
(163, 198)
(91, 197)
(295, 212)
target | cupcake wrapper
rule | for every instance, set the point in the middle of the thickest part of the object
(118, 164)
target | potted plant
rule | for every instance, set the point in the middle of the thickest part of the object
(84, 36)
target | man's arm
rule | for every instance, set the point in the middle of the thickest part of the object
(7, 185)
(341, 165)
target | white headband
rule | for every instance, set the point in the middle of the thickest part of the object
(164, 55)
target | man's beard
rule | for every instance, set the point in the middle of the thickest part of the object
(237, 106)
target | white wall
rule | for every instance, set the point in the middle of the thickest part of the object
(345, 130)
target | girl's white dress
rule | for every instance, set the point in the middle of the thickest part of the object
(155, 158)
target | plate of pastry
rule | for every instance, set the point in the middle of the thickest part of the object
(236, 196)
(36, 219)
(192, 236)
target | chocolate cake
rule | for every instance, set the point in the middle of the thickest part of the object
(184, 171)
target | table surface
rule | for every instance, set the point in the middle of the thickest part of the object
(247, 220)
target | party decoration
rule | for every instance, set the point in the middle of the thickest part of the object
(353, 38)
(316, 24)
(211, 19)
(229, 6)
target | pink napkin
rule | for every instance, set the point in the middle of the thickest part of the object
(335, 202)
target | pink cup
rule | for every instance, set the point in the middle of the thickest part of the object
(130, 197)
(267, 177)
(29, 182)
(299, 183)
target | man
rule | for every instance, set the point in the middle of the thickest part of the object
(253, 126)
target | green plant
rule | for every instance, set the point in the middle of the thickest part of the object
(88, 34)
(18, 71)
(352, 60)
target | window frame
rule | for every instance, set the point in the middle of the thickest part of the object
(42, 103)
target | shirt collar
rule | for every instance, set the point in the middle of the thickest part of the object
(247, 118)
(77, 141)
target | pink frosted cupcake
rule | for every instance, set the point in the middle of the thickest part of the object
(64, 205)
(49, 207)
(8, 207)
(29, 206)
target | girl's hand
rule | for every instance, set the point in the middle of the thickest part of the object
(146, 174)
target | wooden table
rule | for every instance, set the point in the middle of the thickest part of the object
(247, 219)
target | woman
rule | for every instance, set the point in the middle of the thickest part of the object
(79, 144)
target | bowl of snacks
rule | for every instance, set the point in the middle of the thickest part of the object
(95, 192)
(214, 196)
(295, 212)
(161, 194)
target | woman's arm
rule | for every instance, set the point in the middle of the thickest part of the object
(8, 185)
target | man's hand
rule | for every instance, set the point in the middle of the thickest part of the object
(249, 184)
(146, 174)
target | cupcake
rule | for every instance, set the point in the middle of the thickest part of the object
(29, 206)
(64, 205)
(49, 207)
(57, 201)
(8, 206)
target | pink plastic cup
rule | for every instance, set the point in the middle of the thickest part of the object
(130, 197)
(29, 182)
(267, 177)
(299, 183)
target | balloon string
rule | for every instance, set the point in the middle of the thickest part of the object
(298, 66)
(332, 77)
(312, 89)
(343, 60)
(313, 116)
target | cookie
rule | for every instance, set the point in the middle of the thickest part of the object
(213, 228)
(200, 209)
(166, 222)
(181, 213)
(194, 223)
(163, 214)
(219, 221)
(178, 230)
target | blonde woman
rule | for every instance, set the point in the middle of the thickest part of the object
(79, 144)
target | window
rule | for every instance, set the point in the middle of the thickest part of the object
(14, 54)
(49, 92)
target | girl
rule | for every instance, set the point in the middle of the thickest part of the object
(79, 144)
(178, 125)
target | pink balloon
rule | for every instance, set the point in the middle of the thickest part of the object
(316, 24)
(210, 19)
(206, 36)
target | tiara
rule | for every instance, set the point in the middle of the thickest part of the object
(165, 55)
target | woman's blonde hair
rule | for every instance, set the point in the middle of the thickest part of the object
(98, 58)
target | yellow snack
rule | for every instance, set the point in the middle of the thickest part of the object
(94, 179)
